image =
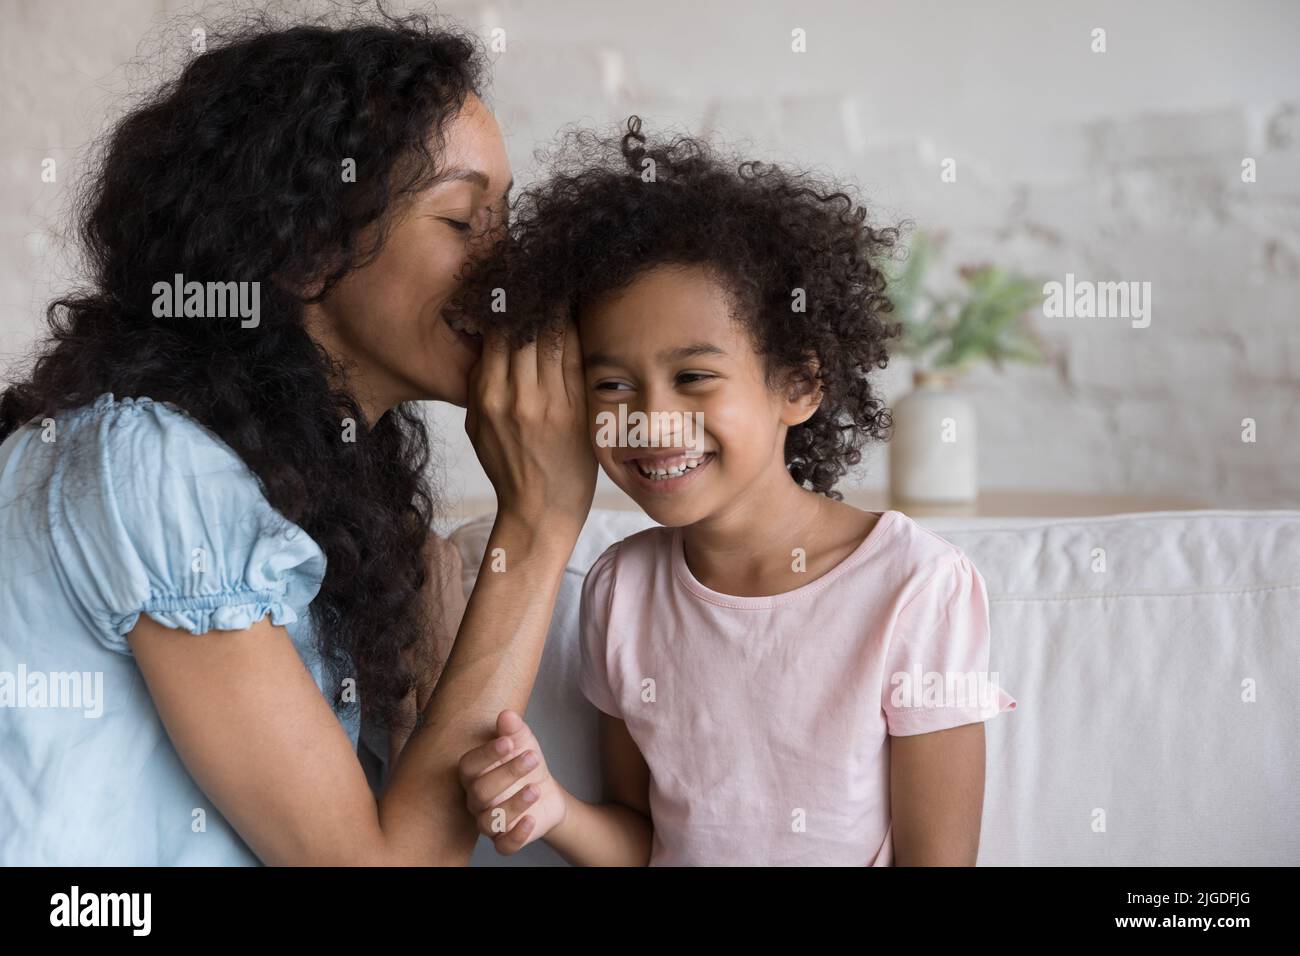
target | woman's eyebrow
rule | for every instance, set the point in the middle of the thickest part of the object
(475, 176)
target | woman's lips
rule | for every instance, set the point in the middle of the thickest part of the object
(456, 326)
(472, 342)
(671, 485)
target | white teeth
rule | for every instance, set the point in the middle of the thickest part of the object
(660, 473)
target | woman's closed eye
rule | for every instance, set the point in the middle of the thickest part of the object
(457, 224)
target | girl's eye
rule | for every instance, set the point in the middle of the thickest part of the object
(691, 378)
(611, 386)
(456, 224)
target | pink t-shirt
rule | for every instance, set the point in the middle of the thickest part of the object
(764, 720)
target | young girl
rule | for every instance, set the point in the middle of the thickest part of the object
(782, 678)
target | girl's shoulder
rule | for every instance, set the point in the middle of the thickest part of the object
(920, 562)
(635, 553)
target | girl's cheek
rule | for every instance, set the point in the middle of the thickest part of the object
(742, 425)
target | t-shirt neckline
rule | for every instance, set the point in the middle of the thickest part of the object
(687, 579)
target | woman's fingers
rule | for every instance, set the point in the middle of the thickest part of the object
(487, 379)
(575, 379)
(528, 425)
(560, 364)
(550, 353)
(494, 361)
(523, 372)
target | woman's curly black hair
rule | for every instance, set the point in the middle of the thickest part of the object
(231, 171)
(614, 207)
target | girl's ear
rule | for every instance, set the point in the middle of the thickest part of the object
(803, 393)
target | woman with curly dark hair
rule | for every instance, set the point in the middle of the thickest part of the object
(746, 655)
(217, 564)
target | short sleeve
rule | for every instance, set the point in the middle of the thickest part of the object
(151, 513)
(937, 666)
(593, 626)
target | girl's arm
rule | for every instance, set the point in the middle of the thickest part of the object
(516, 801)
(936, 795)
(619, 831)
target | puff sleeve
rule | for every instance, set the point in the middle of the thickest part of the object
(593, 628)
(937, 665)
(151, 513)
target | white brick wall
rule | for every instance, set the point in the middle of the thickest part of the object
(1116, 166)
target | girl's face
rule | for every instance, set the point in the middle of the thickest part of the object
(386, 318)
(668, 343)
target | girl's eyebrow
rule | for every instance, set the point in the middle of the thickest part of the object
(597, 358)
(665, 356)
(690, 351)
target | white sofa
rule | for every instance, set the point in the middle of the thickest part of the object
(1159, 699)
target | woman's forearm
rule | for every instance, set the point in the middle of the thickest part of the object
(491, 668)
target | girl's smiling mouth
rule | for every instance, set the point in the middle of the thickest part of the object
(665, 474)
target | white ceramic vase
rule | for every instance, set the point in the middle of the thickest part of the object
(933, 454)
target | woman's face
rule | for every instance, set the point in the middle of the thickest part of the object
(385, 320)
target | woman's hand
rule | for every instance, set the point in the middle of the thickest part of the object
(508, 788)
(527, 418)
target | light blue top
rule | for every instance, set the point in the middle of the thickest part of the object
(119, 508)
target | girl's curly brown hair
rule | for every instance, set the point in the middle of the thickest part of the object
(613, 208)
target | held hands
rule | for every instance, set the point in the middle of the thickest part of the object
(509, 790)
(527, 419)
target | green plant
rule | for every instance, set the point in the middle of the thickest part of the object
(986, 320)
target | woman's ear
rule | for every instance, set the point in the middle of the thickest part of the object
(802, 391)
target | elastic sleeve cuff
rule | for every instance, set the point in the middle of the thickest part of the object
(232, 611)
